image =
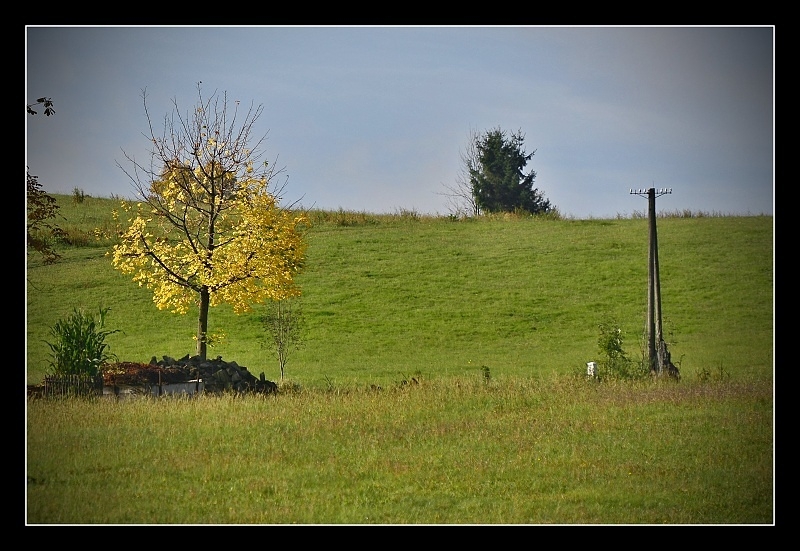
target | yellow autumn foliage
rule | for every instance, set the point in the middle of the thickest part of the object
(203, 229)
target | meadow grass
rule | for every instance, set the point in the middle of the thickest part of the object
(553, 450)
(495, 317)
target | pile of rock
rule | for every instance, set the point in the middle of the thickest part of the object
(219, 375)
(216, 375)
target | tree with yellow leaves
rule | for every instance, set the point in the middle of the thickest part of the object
(209, 228)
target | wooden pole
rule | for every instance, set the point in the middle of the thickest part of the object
(657, 353)
(651, 281)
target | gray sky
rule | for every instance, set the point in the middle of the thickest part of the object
(374, 118)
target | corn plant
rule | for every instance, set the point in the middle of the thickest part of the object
(79, 346)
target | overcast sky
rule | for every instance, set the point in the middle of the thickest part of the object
(374, 118)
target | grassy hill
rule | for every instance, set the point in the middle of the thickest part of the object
(388, 296)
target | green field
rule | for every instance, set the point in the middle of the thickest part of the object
(496, 317)
(398, 295)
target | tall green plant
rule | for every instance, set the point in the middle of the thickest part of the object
(614, 362)
(79, 346)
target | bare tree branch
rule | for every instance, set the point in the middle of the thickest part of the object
(461, 199)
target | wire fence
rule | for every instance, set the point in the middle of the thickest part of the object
(72, 385)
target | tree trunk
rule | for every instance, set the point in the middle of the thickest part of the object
(202, 323)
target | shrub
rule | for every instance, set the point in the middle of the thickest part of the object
(78, 196)
(79, 346)
(614, 362)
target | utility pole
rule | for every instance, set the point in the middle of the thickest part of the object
(658, 355)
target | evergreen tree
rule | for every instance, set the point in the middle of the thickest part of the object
(497, 180)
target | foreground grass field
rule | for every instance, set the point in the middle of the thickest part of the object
(496, 318)
(463, 451)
